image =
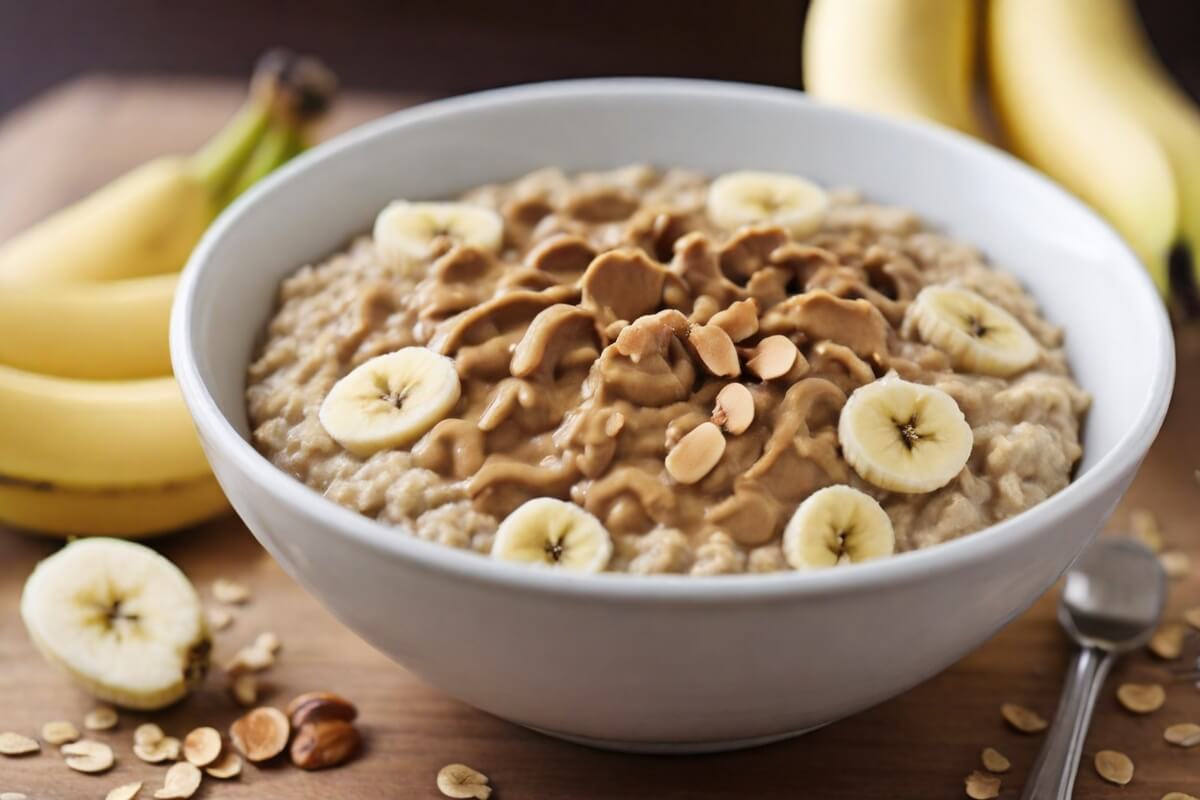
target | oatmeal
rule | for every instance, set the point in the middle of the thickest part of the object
(685, 377)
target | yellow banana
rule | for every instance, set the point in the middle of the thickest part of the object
(1065, 108)
(1124, 62)
(115, 329)
(143, 223)
(907, 58)
(148, 221)
(133, 513)
(95, 434)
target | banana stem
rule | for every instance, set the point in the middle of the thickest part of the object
(216, 164)
(280, 142)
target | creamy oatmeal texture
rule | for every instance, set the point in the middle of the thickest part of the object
(681, 382)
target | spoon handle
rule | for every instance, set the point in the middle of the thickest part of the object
(1053, 774)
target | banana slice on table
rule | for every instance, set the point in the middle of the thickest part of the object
(120, 619)
(904, 437)
(747, 198)
(837, 525)
(407, 230)
(977, 334)
(555, 534)
(391, 400)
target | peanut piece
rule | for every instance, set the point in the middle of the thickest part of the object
(695, 455)
(773, 357)
(733, 409)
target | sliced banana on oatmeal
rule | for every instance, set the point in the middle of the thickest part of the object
(555, 534)
(407, 230)
(837, 525)
(977, 334)
(748, 197)
(904, 437)
(391, 400)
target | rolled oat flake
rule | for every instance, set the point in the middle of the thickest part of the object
(1184, 734)
(982, 786)
(1141, 698)
(1114, 767)
(1023, 719)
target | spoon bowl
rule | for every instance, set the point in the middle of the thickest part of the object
(1114, 596)
(1111, 603)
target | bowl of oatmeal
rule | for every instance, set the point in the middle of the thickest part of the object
(669, 415)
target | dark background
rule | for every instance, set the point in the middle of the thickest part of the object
(447, 47)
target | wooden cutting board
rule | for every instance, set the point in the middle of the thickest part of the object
(919, 745)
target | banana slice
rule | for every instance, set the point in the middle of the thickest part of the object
(746, 198)
(977, 334)
(390, 401)
(555, 534)
(837, 525)
(407, 231)
(904, 437)
(120, 619)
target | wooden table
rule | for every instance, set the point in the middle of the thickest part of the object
(919, 745)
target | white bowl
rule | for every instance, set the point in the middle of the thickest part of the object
(671, 663)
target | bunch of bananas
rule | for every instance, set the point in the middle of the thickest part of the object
(94, 435)
(1075, 90)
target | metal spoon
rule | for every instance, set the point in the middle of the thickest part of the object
(1111, 604)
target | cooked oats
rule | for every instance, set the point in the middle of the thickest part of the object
(452, 486)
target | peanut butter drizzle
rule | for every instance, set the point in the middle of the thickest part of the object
(584, 366)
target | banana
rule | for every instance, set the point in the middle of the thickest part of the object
(132, 513)
(390, 400)
(96, 434)
(835, 526)
(147, 221)
(110, 330)
(555, 534)
(408, 231)
(904, 437)
(120, 619)
(1107, 38)
(748, 197)
(1065, 107)
(978, 335)
(905, 58)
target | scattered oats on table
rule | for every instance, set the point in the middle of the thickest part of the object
(994, 761)
(1183, 734)
(181, 782)
(1023, 719)
(982, 786)
(126, 791)
(219, 618)
(101, 718)
(460, 781)
(59, 732)
(87, 755)
(14, 744)
(1146, 529)
(1141, 698)
(1114, 767)
(229, 592)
